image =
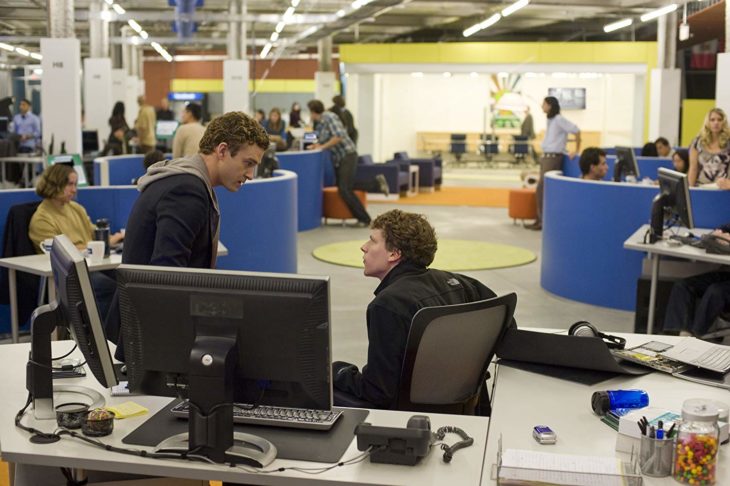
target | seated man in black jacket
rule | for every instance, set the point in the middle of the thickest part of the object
(695, 302)
(398, 252)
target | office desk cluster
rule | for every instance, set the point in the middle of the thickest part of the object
(521, 400)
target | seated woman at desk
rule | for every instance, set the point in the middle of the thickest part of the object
(709, 152)
(680, 160)
(58, 213)
(276, 128)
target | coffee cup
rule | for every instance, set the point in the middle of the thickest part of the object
(96, 251)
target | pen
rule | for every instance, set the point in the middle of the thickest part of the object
(652, 432)
(660, 434)
(671, 431)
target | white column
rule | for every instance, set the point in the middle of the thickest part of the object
(98, 97)
(60, 18)
(324, 86)
(722, 85)
(61, 93)
(235, 85)
(665, 92)
(362, 100)
(98, 29)
(131, 91)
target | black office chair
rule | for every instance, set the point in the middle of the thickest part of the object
(30, 288)
(448, 355)
(490, 146)
(520, 147)
(458, 145)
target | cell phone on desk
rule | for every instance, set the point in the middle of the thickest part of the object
(544, 434)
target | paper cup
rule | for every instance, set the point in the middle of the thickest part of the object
(96, 251)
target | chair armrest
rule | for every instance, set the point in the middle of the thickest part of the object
(364, 173)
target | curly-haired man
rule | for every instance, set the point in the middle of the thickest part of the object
(400, 248)
(175, 221)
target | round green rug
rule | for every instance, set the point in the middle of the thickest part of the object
(452, 255)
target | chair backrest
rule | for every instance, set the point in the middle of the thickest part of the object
(448, 353)
(458, 137)
(458, 143)
(401, 156)
(365, 160)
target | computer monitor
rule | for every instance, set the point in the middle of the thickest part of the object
(165, 129)
(74, 160)
(308, 139)
(89, 141)
(74, 307)
(671, 204)
(625, 164)
(268, 335)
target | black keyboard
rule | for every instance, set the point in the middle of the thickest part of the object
(295, 418)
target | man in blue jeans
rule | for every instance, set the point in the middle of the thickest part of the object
(695, 302)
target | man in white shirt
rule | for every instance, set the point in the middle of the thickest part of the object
(188, 135)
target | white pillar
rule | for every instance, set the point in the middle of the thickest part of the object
(60, 18)
(722, 85)
(131, 92)
(665, 89)
(324, 87)
(362, 99)
(98, 98)
(61, 93)
(98, 29)
(235, 85)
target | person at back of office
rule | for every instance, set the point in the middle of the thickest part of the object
(527, 129)
(663, 147)
(398, 252)
(145, 126)
(164, 112)
(592, 164)
(188, 135)
(553, 146)
(649, 150)
(27, 126)
(117, 143)
(338, 108)
(709, 152)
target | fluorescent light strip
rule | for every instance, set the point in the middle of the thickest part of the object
(109, 2)
(514, 7)
(274, 36)
(133, 24)
(482, 25)
(659, 12)
(7, 47)
(118, 9)
(22, 52)
(617, 25)
(265, 50)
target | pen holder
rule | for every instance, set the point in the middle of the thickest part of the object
(655, 456)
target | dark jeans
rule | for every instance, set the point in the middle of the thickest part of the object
(345, 174)
(547, 163)
(695, 302)
(105, 285)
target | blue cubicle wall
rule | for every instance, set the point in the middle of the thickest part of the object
(118, 170)
(648, 166)
(585, 226)
(309, 167)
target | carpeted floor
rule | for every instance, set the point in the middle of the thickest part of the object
(452, 255)
(459, 196)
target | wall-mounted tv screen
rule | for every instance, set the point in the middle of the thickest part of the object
(569, 98)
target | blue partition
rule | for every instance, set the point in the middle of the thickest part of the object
(114, 203)
(309, 167)
(118, 170)
(648, 166)
(259, 225)
(584, 228)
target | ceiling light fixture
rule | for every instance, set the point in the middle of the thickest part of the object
(514, 7)
(265, 50)
(7, 47)
(118, 9)
(37, 56)
(658, 12)
(22, 52)
(482, 25)
(133, 24)
(617, 25)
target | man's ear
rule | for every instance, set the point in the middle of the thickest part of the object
(221, 149)
(394, 256)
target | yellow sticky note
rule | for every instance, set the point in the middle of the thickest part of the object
(127, 409)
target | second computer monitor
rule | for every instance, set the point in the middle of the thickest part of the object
(625, 164)
(280, 325)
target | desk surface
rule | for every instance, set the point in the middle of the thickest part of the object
(465, 469)
(523, 400)
(661, 247)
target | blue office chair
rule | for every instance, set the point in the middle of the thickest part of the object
(490, 146)
(458, 145)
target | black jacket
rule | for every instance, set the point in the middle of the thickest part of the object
(171, 224)
(404, 291)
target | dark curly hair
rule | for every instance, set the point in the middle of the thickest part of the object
(53, 180)
(410, 233)
(235, 128)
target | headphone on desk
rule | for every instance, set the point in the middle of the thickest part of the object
(586, 329)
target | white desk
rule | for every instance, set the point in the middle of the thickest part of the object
(636, 242)
(41, 265)
(464, 470)
(523, 400)
(28, 163)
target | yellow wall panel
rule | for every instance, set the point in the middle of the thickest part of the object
(197, 85)
(565, 52)
(415, 53)
(265, 86)
(693, 116)
(512, 52)
(465, 52)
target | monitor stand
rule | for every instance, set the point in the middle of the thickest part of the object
(38, 371)
(213, 361)
(656, 229)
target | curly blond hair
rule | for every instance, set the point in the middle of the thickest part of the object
(53, 181)
(705, 134)
(409, 233)
(235, 128)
